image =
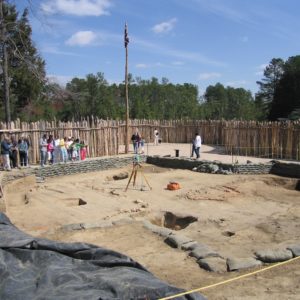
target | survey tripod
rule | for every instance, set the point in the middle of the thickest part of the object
(137, 168)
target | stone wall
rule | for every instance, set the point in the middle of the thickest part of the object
(86, 166)
(273, 167)
(209, 166)
(71, 168)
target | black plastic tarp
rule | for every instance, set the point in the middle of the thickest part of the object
(34, 268)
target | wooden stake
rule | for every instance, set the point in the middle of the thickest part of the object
(126, 41)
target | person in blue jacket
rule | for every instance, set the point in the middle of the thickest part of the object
(5, 150)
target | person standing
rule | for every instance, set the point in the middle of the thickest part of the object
(14, 152)
(63, 149)
(76, 150)
(83, 150)
(196, 145)
(5, 149)
(43, 150)
(69, 147)
(50, 149)
(156, 137)
(142, 145)
(27, 140)
(23, 152)
(56, 151)
(136, 139)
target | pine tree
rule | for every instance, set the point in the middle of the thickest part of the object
(265, 97)
(25, 66)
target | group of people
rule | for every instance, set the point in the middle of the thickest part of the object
(14, 152)
(138, 142)
(55, 149)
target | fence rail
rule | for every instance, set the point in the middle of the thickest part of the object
(103, 137)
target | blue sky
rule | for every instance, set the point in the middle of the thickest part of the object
(196, 41)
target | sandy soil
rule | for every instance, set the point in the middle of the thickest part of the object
(236, 214)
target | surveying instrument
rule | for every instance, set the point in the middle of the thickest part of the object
(137, 167)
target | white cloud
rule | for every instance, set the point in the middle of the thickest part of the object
(82, 38)
(55, 50)
(77, 7)
(178, 54)
(236, 83)
(205, 76)
(144, 66)
(164, 27)
(141, 66)
(59, 79)
(261, 69)
(224, 10)
(262, 66)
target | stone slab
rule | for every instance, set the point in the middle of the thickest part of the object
(236, 264)
(213, 264)
(189, 246)
(295, 249)
(101, 224)
(201, 251)
(176, 240)
(71, 227)
(162, 231)
(274, 255)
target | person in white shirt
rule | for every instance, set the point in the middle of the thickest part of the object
(43, 150)
(196, 145)
(156, 137)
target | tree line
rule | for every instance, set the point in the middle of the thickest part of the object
(31, 96)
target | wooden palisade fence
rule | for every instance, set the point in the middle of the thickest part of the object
(103, 137)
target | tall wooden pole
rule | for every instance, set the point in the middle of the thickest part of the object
(4, 66)
(126, 41)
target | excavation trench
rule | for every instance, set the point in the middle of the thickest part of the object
(173, 221)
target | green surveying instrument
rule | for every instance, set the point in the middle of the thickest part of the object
(137, 167)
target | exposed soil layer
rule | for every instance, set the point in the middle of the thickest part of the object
(234, 215)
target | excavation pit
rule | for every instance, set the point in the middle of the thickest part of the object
(262, 211)
(173, 221)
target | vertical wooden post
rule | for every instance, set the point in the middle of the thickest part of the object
(126, 41)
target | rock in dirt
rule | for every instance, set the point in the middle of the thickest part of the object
(213, 264)
(295, 249)
(120, 176)
(176, 240)
(162, 231)
(236, 264)
(189, 246)
(202, 251)
(274, 255)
